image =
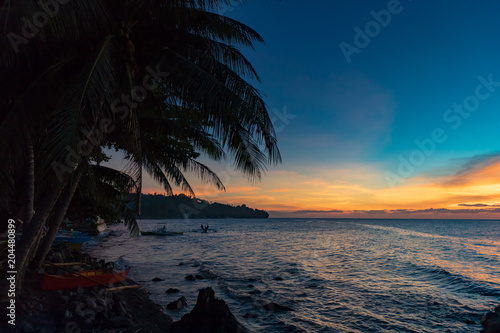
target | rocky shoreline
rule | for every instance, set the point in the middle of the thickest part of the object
(98, 309)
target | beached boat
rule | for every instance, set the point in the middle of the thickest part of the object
(92, 226)
(83, 279)
(72, 238)
(161, 230)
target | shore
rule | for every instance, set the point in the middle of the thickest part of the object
(90, 309)
(98, 309)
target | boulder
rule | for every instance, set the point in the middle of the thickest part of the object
(190, 277)
(276, 307)
(208, 274)
(172, 290)
(209, 315)
(178, 304)
(199, 277)
(491, 322)
(156, 279)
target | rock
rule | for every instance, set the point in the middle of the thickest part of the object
(77, 304)
(190, 278)
(255, 292)
(208, 274)
(491, 322)
(101, 302)
(181, 263)
(209, 315)
(178, 304)
(172, 290)
(68, 314)
(470, 322)
(199, 277)
(101, 293)
(91, 303)
(120, 309)
(276, 307)
(278, 278)
(250, 315)
(157, 279)
(488, 316)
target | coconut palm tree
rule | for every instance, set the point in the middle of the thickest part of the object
(100, 68)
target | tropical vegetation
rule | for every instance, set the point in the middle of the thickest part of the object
(161, 81)
(158, 206)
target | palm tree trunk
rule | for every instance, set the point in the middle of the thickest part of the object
(30, 183)
(56, 223)
(31, 235)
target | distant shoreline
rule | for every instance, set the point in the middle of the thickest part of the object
(384, 218)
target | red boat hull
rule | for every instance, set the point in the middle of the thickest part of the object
(72, 281)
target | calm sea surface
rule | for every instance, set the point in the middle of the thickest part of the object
(338, 275)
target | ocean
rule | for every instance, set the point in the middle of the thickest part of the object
(338, 275)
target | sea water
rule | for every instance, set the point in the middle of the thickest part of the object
(338, 275)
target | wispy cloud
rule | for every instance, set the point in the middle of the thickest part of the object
(308, 211)
(471, 169)
(478, 205)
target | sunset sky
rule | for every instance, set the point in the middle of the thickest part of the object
(400, 120)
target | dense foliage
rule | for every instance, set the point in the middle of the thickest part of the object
(157, 206)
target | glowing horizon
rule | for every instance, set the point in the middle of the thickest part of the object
(466, 193)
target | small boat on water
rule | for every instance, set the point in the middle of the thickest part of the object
(203, 231)
(161, 233)
(83, 279)
(161, 230)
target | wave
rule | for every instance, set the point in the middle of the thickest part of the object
(457, 282)
(409, 232)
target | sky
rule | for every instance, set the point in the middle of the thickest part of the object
(383, 109)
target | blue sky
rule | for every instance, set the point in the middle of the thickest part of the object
(349, 123)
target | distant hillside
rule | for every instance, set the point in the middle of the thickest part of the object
(157, 206)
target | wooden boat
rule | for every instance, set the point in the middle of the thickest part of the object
(83, 279)
(93, 226)
(72, 238)
(161, 233)
(161, 230)
(203, 231)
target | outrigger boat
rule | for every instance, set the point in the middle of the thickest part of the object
(83, 279)
(161, 230)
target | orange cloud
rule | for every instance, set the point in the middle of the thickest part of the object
(360, 190)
